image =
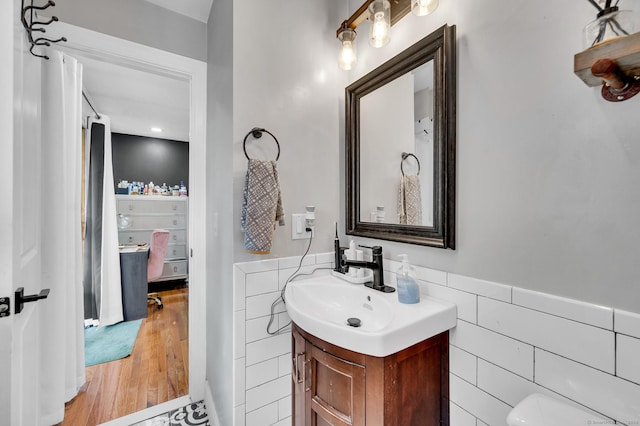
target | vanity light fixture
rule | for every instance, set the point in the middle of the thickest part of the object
(382, 14)
(156, 129)
(423, 7)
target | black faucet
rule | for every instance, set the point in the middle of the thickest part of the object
(375, 265)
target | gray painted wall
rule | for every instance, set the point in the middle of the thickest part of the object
(262, 76)
(219, 198)
(137, 21)
(145, 159)
(286, 80)
(547, 170)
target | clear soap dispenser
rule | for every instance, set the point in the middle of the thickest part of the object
(408, 291)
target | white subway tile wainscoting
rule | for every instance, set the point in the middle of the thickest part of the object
(508, 343)
(262, 366)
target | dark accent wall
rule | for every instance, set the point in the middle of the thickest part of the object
(143, 159)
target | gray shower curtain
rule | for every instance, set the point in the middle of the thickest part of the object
(101, 280)
(93, 239)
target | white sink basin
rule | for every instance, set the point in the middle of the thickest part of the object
(322, 305)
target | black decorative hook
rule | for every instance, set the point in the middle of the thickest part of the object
(37, 55)
(43, 41)
(30, 9)
(50, 21)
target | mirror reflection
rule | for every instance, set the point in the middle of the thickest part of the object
(396, 155)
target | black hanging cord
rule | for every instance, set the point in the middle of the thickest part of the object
(405, 155)
(32, 26)
(280, 299)
(256, 132)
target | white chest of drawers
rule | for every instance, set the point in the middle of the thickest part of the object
(148, 212)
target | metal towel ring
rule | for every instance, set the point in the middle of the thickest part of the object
(257, 133)
(404, 157)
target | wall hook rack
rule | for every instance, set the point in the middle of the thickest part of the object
(27, 16)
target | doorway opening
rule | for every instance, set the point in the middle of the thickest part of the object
(174, 335)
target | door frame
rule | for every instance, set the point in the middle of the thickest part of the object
(133, 55)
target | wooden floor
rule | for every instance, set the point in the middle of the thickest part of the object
(155, 372)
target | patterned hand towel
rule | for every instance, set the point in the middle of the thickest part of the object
(261, 206)
(410, 201)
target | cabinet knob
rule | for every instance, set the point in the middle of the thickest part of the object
(175, 221)
(175, 238)
(174, 207)
(130, 206)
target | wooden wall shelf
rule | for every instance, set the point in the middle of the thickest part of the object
(625, 51)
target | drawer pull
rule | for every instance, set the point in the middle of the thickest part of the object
(296, 370)
(175, 269)
(175, 221)
(130, 206)
(307, 388)
(175, 238)
(174, 207)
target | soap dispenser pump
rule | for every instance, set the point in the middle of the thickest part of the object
(408, 291)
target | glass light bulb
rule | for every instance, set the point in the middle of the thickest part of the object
(347, 55)
(379, 27)
(380, 17)
(423, 7)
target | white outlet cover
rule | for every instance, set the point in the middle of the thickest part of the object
(298, 223)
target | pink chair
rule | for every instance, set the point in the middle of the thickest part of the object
(157, 252)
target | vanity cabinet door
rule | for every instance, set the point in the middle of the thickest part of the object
(335, 390)
(416, 386)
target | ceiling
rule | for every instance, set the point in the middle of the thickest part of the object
(137, 100)
(196, 9)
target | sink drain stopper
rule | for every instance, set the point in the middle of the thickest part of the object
(354, 322)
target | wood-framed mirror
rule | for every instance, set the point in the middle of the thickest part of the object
(401, 146)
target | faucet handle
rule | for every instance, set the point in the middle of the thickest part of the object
(370, 247)
(374, 249)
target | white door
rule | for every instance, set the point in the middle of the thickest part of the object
(19, 219)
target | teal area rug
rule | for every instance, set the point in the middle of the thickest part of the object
(104, 344)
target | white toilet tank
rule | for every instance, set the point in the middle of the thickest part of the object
(541, 410)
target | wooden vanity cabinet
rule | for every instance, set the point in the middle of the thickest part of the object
(333, 386)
